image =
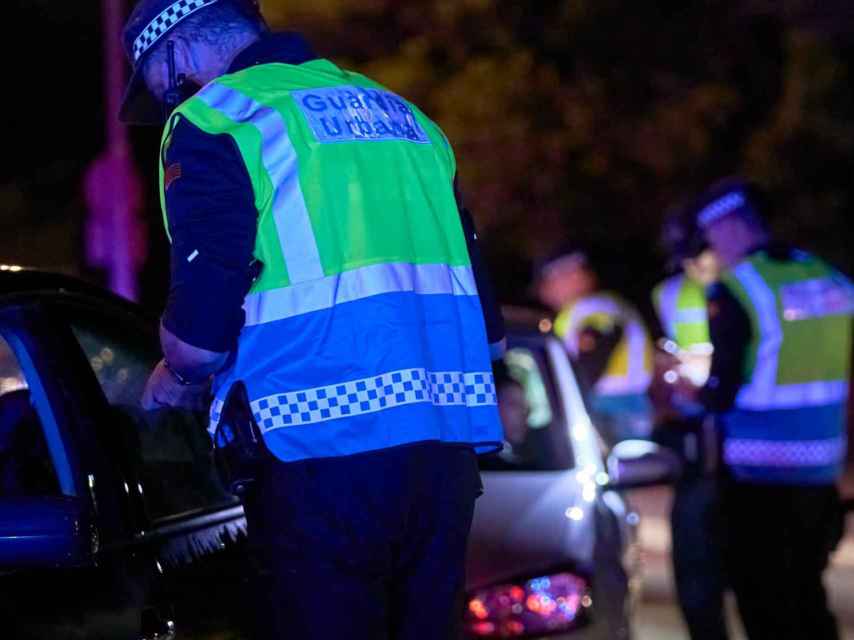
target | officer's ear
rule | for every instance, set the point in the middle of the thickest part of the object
(185, 59)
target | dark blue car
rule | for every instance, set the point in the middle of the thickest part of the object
(113, 523)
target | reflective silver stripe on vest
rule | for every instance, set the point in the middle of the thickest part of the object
(293, 224)
(799, 395)
(638, 377)
(585, 308)
(668, 302)
(757, 393)
(377, 393)
(357, 284)
(775, 453)
(762, 391)
(688, 315)
(669, 311)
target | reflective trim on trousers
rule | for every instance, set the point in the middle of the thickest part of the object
(293, 224)
(377, 393)
(794, 396)
(357, 284)
(776, 453)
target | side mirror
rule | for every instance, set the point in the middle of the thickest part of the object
(633, 464)
(45, 532)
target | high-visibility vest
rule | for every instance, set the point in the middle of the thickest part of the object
(788, 424)
(629, 368)
(364, 330)
(680, 303)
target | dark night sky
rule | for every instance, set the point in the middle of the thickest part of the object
(53, 120)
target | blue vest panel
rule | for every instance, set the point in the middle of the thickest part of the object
(785, 446)
(379, 372)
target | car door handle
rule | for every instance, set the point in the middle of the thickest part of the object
(156, 628)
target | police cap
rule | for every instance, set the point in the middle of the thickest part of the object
(149, 22)
(730, 196)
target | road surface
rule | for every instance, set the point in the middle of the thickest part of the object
(659, 619)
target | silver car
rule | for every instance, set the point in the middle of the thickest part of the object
(553, 551)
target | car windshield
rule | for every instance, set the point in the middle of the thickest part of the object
(535, 433)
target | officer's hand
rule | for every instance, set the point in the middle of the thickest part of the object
(164, 390)
(685, 389)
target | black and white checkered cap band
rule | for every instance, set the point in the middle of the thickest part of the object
(167, 19)
(719, 208)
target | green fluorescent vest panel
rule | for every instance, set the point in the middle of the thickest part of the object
(364, 205)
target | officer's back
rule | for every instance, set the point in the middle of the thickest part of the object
(780, 323)
(321, 262)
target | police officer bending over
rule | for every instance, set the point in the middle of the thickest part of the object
(780, 323)
(318, 258)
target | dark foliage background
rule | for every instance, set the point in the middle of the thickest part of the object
(574, 121)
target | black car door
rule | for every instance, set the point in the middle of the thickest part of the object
(75, 576)
(184, 518)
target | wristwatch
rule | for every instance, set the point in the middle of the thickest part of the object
(182, 380)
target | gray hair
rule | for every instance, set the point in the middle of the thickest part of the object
(221, 26)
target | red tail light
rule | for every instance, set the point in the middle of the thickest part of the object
(541, 606)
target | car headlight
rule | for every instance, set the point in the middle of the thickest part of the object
(541, 606)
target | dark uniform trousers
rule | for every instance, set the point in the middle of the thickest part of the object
(695, 526)
(363, 547)
(698, 565)
(777, 545)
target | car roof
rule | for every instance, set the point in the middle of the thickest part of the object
(22, 280)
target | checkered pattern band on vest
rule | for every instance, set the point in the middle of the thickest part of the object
(167, 19)
(378, 393)
(769, 453)
(719, 208)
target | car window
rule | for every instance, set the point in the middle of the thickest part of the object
(121, 362)
(169, 448)
(26, 464)
(535, 434)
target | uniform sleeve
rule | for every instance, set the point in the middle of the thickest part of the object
(730, 332)
(212, 222)
(495, 331)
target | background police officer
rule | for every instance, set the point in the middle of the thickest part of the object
(608, 341)
(780, 323)
(319, 258)
(680, 302)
